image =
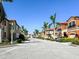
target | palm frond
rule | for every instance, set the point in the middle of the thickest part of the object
(8, 0)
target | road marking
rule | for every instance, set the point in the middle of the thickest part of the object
(8, 51)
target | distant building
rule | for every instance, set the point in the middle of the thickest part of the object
(47, 33)
(41, 34)
(50, 31)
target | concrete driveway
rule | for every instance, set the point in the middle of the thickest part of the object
(40, 49)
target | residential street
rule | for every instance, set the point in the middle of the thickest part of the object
(40, 49)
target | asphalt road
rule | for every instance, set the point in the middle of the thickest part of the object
(40, 49)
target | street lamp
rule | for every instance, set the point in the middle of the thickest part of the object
(11, 33)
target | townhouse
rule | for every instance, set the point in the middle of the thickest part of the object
(47, 33)
(15, 28)
(41, 34)
(6, 26)
(4, 30)
(70, 27)
(73, 26)
(50, 32)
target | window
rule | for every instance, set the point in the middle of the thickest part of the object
(71, 24)
(12, 27)
(4, 23)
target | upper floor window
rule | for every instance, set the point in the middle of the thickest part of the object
(71, 24)
(5, 23)
(14, 27)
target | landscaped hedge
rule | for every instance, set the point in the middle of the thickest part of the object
(19, 40)
(64, 39)
(75, 41)
(22, 37)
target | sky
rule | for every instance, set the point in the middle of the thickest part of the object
(33, 13)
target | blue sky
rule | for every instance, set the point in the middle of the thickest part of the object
(32, 13)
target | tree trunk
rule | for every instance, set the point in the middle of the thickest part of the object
(54, 31)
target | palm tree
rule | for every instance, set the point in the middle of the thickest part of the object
(22, 28)
(49, 35)
(45, 26)
(2, 12)
(6, 1)
(49, 26)
(36, 32)
(57, 25)
(25, 31)
(53, 19)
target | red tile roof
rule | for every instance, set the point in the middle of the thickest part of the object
(58, 28)
(51, 29)
(63, 23)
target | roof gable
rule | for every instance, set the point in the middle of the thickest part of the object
(75, 18)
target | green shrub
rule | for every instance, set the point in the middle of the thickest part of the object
(19, 40)
(26, 39)
(75, 41)
(48, 39)
(64, 39)
(22, 37)
(40, 37)
(5, 41)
